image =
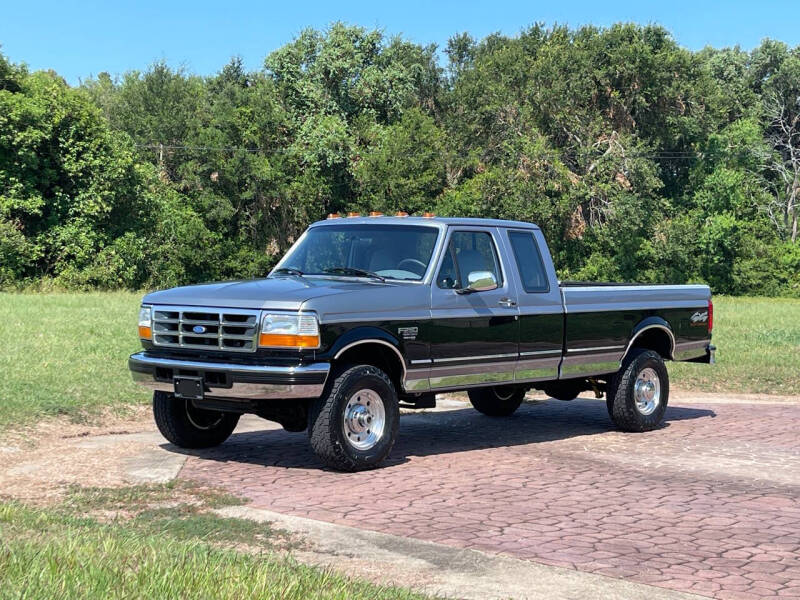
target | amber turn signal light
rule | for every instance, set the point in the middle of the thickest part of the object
(145, 333)
(279, 340)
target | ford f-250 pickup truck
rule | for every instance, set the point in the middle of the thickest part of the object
(365, 315)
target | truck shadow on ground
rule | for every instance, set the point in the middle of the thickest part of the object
(434, 433)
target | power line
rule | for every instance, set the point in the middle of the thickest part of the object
(660, 155)
(211, 148)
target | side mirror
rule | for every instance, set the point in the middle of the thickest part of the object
(479, 281)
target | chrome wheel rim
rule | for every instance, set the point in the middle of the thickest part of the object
(364, 419)
(201, 418)
(647, 391)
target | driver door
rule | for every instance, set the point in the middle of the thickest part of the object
(474, 336)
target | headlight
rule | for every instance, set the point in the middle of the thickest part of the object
(287, 330)
(145, 323)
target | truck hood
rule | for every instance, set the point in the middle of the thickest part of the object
(287, 293)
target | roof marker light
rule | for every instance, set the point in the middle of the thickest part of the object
(334, 216)
(375, 213)
(354, 214)
(401, 213)
(428, 215)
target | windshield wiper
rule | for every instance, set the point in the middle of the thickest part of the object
(289, 271)
(354, 272)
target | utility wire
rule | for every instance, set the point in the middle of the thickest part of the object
(661, 155)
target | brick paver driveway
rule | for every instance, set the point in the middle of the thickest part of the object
(709, 504)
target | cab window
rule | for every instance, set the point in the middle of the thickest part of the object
(468, 251)
(529, 261)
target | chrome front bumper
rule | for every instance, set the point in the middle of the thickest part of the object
(232, 380)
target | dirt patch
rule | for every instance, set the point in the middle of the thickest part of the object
(37, 464)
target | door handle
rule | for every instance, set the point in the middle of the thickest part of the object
(508, 302)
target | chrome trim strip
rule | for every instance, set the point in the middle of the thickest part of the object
(374, 341)
(540, 352)
(585, 365)
(653, 326)
(151, 361)
(694, 349)
(457, 376)
(472, 358)
(243, 391)
(595, 348)
(537, 369)
(422, 361)
(258, 390)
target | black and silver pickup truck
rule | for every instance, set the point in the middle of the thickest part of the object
(366, 315)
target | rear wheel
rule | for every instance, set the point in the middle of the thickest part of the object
(497, 401)
(353, 425)
(187, 426)
(637, 395)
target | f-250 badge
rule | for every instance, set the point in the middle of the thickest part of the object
(408, 333)
(699, 318)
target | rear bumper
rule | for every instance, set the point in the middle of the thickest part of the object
(230, 380)
(707, 357)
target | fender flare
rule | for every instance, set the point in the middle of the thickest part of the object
(646, 325)
(367, 335)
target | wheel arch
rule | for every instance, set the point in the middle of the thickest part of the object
(373, 346)
(653, 333)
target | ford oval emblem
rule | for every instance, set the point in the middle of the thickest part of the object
(199, 329)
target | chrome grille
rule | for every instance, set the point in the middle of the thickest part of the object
(201, 328)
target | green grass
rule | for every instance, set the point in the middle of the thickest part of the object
(66, 353)
(758, 349)
(45, 554)
(179, 510)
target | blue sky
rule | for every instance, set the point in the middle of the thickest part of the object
(79, 39)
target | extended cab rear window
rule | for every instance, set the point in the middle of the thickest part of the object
(529, 261)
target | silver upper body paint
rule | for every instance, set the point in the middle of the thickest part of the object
(350, 299)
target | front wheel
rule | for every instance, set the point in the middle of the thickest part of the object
(497, 401)
(353, 425)
(187, 426)
(637, 395)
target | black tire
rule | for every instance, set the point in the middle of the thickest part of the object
(189, 427)
(497, 401)
(621, 399)
(565, 390)
(334, 437)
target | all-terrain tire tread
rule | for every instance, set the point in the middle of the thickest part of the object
(622, 411)
(323, 420)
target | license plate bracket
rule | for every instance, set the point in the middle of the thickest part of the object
(189, 388)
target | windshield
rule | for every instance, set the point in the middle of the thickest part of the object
(390, 251)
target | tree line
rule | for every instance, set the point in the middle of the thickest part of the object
(641, 160)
